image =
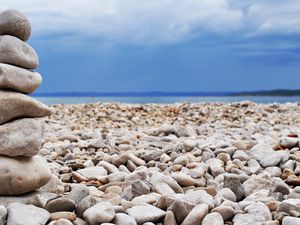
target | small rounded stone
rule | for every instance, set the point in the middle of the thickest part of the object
(14, 23)
(18, 53)
(60, 204)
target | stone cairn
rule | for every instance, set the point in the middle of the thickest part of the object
(21, 129)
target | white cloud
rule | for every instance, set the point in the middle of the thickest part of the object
(274, 18)
(157, 21)
(129, 20)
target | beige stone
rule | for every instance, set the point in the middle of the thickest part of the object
(100, 213)
(20, 214)
(15, 105)
(16, 52)
(23, 174)
(196, 216)
(21, 137)
(145, 213)
(19, 79)
(124, 219)
(63, 215)
(170, 218)
(213, 218)
(13, 22)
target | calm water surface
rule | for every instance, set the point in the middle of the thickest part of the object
(166, 100)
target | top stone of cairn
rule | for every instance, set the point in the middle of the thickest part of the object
(14, 23)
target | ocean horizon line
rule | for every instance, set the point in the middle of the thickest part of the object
(277, 92)
(132, 94)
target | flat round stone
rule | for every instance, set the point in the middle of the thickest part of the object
(16, 52)
(14, 23)
(22, 174)
(21, 137)
(145, 213)
(15, 105)
(26, 214)
(60, 204)
(18, 79)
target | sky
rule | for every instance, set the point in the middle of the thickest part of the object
(164, 45)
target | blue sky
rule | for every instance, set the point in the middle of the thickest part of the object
(164, 45)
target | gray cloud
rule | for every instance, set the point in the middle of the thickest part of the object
(157, 21)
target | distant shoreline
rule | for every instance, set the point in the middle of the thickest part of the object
(279, 93)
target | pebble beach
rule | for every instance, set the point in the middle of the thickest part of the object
(189, 164)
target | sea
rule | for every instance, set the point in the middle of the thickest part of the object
(168, 100)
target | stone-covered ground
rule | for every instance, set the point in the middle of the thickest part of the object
(188, 164)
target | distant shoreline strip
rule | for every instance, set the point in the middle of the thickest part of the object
(282, 93)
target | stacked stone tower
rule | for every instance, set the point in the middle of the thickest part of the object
(21, 130)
